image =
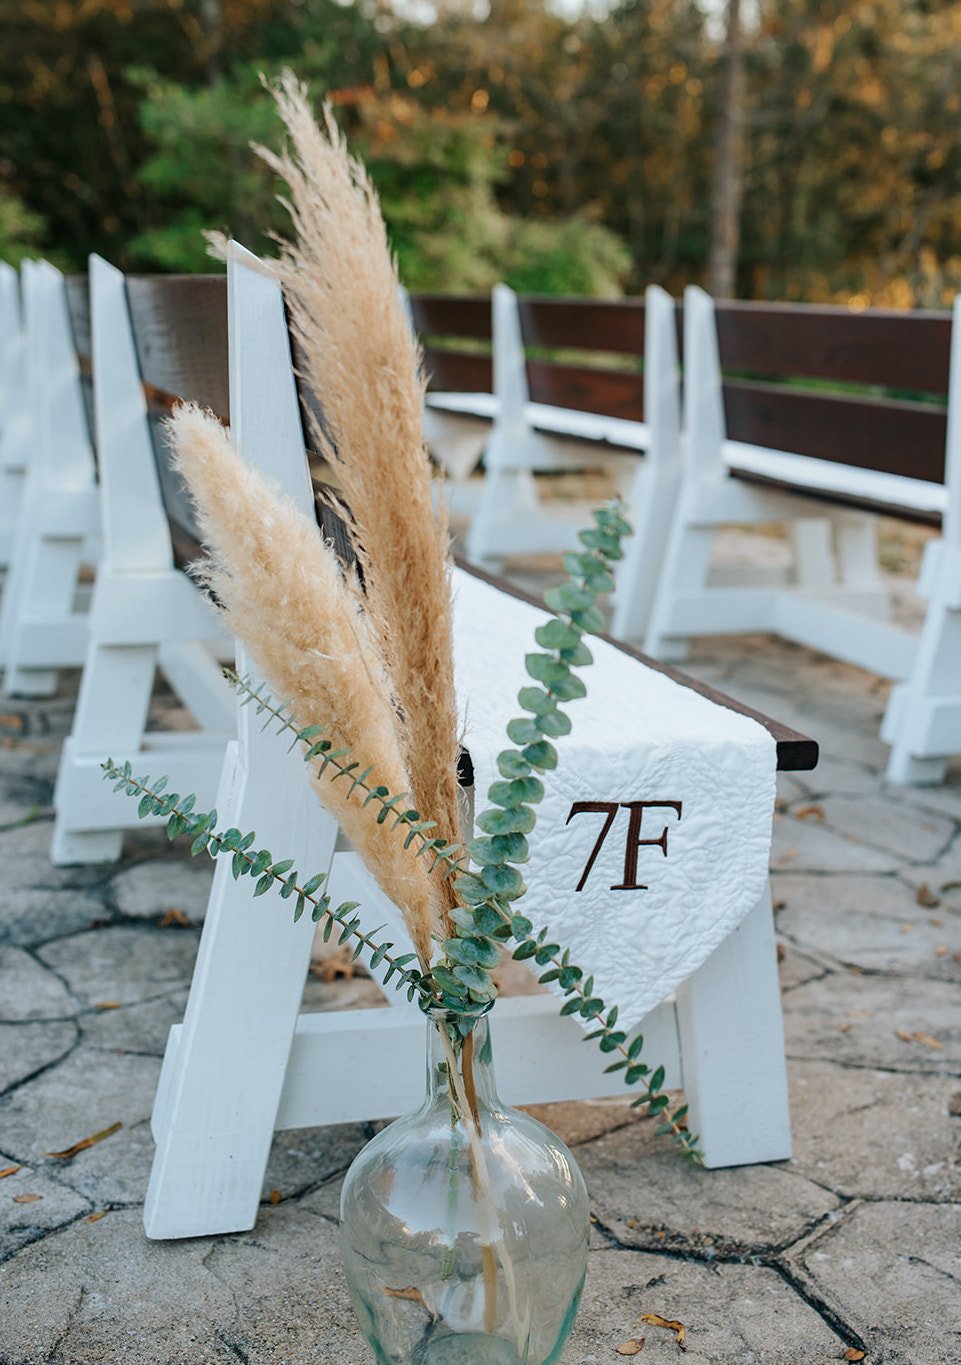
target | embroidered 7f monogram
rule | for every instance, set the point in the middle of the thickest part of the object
(634, 843)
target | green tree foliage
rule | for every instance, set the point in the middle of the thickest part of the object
(21, 230)
(564, 150)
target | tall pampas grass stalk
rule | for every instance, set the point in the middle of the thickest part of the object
(364, 365)
(283, 591)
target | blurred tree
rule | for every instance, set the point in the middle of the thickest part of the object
(531, 142)
(21, 231)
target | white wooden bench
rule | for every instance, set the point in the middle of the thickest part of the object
(42, 621)
(827, 463)
(145, 612)
(245, 1061)
(15, 442)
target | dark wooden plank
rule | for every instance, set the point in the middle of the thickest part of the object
(458, 371)
(900, 350)
(452, 315)
(795, 752)
(180, 329)
(614, 325)
(78, 305)
(893, 437)
(615, 393)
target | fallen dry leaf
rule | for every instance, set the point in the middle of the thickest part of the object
(633, 1223)
(339, 964)
(905, 1037)
(810, 813)
(275, 1196)
(956, 957)
(174, 919)
(788, 854)
(779, 905)
(630, 1348)
(12, 722)
(907, 928)
(936, 923)
(69, 1152)
(845, 1028)
(95, 1217)
(9, 1170)
(927, 1041)
(107, 1005)
(926, 897)
(781, 952)
(26, 1198)
(415, 1296)
(671, 1324)
(942, 950)
(954, 1105)
(852, 1353)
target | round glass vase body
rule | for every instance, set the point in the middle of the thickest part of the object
(465, 1243)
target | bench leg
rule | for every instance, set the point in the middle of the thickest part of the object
(220, 1089)
(686, 567)
(508, 496)
(923, 720)
(46, 589)
(732, 1048)
(651, 506)
(814, 565)
(110, 719)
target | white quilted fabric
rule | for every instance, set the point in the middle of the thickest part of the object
(637, 736)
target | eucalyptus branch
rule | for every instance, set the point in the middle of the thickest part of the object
(269, 873)
(321, 754)
(484, 922)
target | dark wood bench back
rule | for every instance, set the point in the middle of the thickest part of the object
(456, 330)
(180, 331)
(78, 307)
(613, 329)
(773, 355)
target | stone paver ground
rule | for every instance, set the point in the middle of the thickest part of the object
(854, 1245)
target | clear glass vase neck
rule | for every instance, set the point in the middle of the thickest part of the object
(473, 1059)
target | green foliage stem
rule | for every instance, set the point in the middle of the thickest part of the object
(486, 919)
(269, 873)
(321, 754)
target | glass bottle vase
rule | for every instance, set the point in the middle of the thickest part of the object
(464, 1227)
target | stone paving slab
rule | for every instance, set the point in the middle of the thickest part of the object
(872, 1021)
(26, 1049)
(29, 990)
(807, 845)
(875, 923)
(646, 1197)
(85, 1094)
(733, 1314)
(875, 1134)
(151, 889)
(33, 1204)
(893, 1271)
(122, 964)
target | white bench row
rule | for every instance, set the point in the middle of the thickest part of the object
(243, 1061)
(695, 479)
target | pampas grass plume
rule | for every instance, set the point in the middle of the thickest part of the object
(283, 592)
